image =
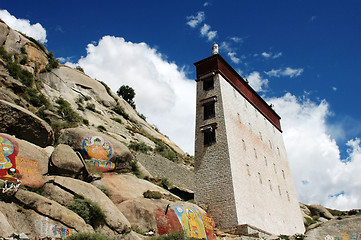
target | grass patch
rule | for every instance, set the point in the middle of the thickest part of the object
(107, 88)
(120, 110)
(89, 211)
(152, 194)
(175, 235)
(66, 112)
(118, 120)
(87, 236)
(90, 106)
(101, 128)
(139, 147)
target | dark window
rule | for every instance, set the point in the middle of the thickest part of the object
(208, 83)
(209, 136)
(209, 110)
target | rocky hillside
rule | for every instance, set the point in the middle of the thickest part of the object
(75, 159)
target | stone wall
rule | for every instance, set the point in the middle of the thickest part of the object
(161, 167)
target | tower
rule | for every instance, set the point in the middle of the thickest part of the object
(242, 174)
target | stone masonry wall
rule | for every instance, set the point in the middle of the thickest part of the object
(160, 167)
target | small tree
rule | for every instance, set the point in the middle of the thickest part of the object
(127, 93)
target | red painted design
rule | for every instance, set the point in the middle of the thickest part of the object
(167, 223)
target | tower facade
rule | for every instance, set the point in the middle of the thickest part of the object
(242, 173)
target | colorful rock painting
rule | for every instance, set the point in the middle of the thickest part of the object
(52, 230)
(189, 219)
(14, 167)
(8, 152)
(98, 153)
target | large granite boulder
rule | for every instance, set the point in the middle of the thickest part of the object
(321, 211)
(122, 187)
(162, 216)
(53, 210)
(65, 162)
(113, 217)
(22, 123)
(98, 149)
(345, 228)
(22, 160)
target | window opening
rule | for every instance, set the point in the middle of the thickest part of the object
(209, 110)
(208, 83)
(209, 134)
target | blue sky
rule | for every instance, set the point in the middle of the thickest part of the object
(302, 56)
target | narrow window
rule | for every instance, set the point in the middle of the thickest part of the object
(278, 150)
(265, 161)
(209, 110)
(248, 171)
(255, 153)
(209, 136)
(256, 112)
(208, 83)
(270, 144)
(288, 196)
(244, 145)
(270, 184)
(283, 174)
(260, 178)
(274, 168)
(239, 117)
(279, 190)
(260, 136)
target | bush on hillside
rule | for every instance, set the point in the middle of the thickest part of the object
(89, 211)
(87, 236)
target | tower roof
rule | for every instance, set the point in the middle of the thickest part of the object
(217, 64)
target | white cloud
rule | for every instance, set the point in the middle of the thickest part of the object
(193, 21)
(257, 82)
(233, 57)
(334, 89)
(287, 72)
(163, 93)
(35, 31)
(237, 39)
(206, 4)
(321, 176)
(270, 55)
(209, 34)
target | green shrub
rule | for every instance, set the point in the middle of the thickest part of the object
(283, 237)
(152, 194)
(24, 60)
(35, 98)
(5, 55)
(139, 147)
(89, 211)
(86, 121)
(175, 235)
(66, 112)
(166, 184)
(17, 72)
(81, 107)
(52, 63)
(90, 106)
(142, 116)
(164, 150)
(135, 169)
(120, 110)
(101, 128)
(118, 120)
(127, 93)
(87, 236)
(79, 69)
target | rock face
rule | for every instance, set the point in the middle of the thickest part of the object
(22, 160)
(53, 210)
(320, 211)
(22, 123)
(114, 218)
(346, 228)
(65, 162)
(126, 186)
(97, 148)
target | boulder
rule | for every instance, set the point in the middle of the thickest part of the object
(22, 123)
(320, 211)
(65, 162)
(5, 228)
(23, 160)
(56, 193)
(345, 228)
(163, 216)
(53, 210)
(4, 31)
(123, 187)
(114, 218)
(100, 150)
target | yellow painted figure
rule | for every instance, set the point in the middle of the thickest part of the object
(6, 149)
(192, 224)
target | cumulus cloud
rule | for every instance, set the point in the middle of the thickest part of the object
(233, 57)
(287, 72)
(257, 82)
(163, 93)
(320, 175)
(270, 55)
(205, 31)
(35, 31)
(193, 21)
